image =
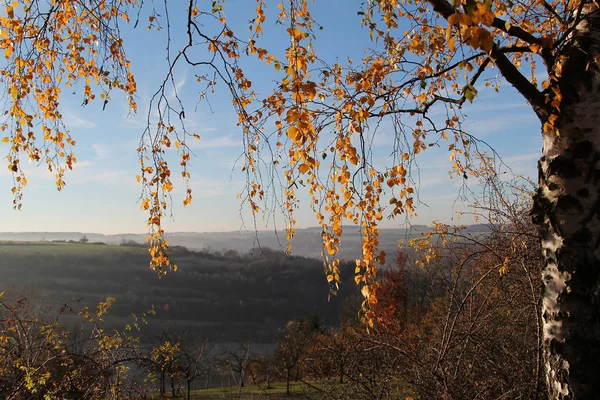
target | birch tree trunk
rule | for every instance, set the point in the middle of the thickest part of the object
(567, 209)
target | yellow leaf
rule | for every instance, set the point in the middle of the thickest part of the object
(296, 33)
(292, 132)
(453, 19)
(449, 39)
(5, 140)
(365, 291)
(470, 92)
(138, 178)
(303, 168)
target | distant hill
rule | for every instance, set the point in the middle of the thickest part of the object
(226, 297)
(306, 243)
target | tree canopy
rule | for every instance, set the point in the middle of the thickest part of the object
(316, 123)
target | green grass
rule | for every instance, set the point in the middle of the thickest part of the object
(277, 391)
(59, 249)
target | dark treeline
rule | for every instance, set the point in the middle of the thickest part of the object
(228, 296)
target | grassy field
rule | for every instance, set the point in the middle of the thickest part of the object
(276, 391)
(59, 249)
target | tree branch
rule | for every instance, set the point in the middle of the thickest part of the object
(515, 31)
(522, 84)
(506, 67)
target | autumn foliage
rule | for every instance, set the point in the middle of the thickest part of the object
(321, 114)
(41, 359)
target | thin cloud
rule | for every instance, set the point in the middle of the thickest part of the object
(434, 180)
(81, 164)
(102, 151)
(72, 120)
(215, 143)
(521, 158)
(176, 89)
(83, 172)
(206, 188)
(485, 126)
(132, 121)
(97, 177)
(479, 107)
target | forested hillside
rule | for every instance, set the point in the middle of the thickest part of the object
(227, 297)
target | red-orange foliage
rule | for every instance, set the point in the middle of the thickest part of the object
(391, 308)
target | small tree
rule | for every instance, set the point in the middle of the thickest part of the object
(481, 335)
(238, 360)
(39, 359)
(293, 345)
(194, 360)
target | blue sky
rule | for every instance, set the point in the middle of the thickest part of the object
(102, 194)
